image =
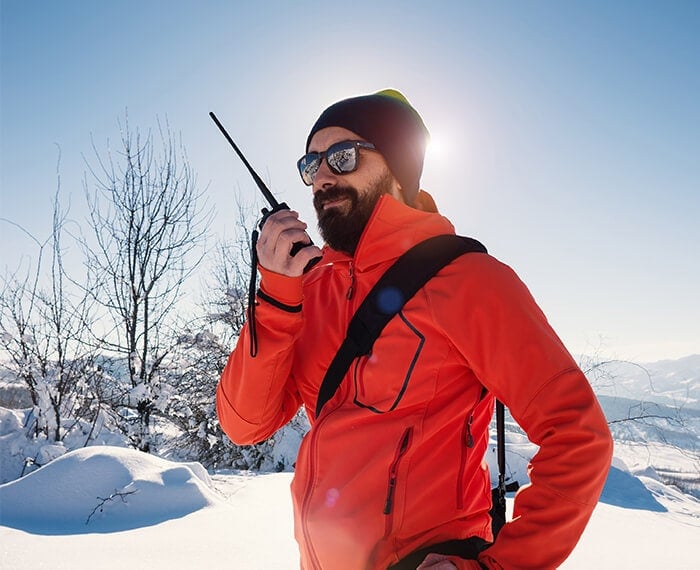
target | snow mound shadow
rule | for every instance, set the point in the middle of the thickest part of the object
(104, 489)
(622, 489)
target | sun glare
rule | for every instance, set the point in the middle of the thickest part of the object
(436, 150)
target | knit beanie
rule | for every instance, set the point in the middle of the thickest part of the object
(390, 123)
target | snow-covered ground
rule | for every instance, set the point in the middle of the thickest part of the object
(109, 507)
(176, 516)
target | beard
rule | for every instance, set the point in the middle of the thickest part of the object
(341, 226)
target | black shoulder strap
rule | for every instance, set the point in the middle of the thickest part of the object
(399, 283)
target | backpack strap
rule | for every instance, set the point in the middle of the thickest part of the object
(400, 282)
(498, 493)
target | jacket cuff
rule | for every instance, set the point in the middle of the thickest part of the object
(284, 289)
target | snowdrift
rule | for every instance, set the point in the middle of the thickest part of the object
(104, 489)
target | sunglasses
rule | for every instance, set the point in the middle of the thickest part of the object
(341, 158)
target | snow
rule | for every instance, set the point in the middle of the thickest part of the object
(175, 515)
(126, 488)
(631, 538)
(179, 516)
(108, 506)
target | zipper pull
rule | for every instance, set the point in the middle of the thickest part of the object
(351, 289)
(393, 474)
(470, 438)
(390, 496)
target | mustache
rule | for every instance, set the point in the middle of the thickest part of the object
(334, 193)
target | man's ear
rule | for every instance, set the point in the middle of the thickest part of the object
(425, 202)
(397, 192)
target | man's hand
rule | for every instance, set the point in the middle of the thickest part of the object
(442, 562)
(279, 232)
(436, 562)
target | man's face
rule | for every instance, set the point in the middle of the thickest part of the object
(345, 202)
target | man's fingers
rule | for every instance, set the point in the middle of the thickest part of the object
(436, 562)
(308, 253)
(278, 223)
(278, 235)
(287, 238)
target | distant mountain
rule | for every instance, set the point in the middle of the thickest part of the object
(674, 383)
(643, 421)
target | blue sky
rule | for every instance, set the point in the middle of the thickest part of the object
(566, 134)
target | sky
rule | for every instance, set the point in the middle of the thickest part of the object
(565, 135)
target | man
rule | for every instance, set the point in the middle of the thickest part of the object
(394, 465)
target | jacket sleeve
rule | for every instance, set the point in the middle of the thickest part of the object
(515, 353)
(257, 395)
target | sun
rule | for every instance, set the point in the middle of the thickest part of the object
(436, 150)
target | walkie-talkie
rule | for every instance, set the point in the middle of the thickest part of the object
(275, 206)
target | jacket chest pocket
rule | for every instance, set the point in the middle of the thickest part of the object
(387, 378)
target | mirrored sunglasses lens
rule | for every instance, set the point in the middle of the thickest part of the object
(308, 166)
(342, 157)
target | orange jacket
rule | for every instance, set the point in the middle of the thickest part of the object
(395, 460)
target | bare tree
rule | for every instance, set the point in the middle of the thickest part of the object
(44, 333)
(229, 279)
(148, 219)
(203, 349)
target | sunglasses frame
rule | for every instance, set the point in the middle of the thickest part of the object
(356, 145)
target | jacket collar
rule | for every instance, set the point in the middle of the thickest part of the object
(392, 229)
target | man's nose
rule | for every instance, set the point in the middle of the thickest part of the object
(325, 177)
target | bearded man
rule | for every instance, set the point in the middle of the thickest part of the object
(391, 473)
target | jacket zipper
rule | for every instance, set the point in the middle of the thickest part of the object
(401, 450)
(351, 289)
(467, 442)
(316, 564)
(313, 443)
